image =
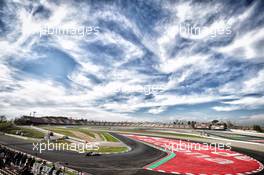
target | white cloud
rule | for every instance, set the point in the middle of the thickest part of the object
(241, 103)
(254, 84)
(178, 63)
(248, 101)
(5, 73)
(226, 108)
(251, 83)
(157, 110)
(171, 100)
(246, 45)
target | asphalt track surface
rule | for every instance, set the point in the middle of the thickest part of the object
(117, 164)
(235, 136)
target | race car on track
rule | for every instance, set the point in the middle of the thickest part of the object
(92, 154)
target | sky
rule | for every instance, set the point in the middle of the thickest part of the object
(140, 60)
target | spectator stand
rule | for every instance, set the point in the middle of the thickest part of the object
(13, 162)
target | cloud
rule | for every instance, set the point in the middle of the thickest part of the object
(247, 101)
(172, 65)
(249, 84)
(107, 75)
(247, 45)
(157, 110)
(254, 84)
(244, 103)
(225, 108)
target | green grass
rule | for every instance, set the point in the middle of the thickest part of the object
(178, 135)
(62, 131)
(101, 136)
(182, 135)
(106, 137)
(67, 131)
(27, 132)
(85, 132)
(5, 126)
(109, 137)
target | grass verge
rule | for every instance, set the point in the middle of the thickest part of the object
(10, 128)
(109, 137)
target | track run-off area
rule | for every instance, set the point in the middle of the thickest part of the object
(202, 161)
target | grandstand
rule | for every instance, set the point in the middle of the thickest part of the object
(29, 120)
(51, 120)
(13, 162)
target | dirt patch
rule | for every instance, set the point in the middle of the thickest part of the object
(83, 136)
(97, 137)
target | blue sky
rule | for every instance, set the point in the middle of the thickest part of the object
(141, 60)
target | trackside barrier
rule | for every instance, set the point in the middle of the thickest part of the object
(47, 168)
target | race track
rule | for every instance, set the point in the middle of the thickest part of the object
(132, 162)
(117, 164)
